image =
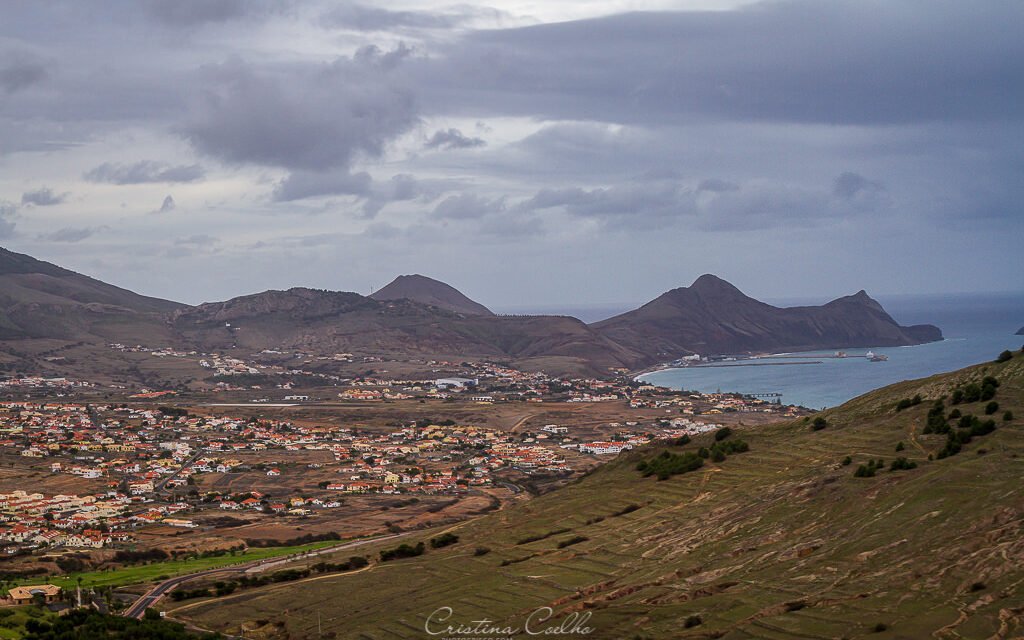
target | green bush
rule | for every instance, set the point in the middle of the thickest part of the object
(1004, 356)
(669, 464)
(443, 540)
(402, 551)
(722, 434)
(819, 423)
(972, 393)
(1007, 416)
(902, 464)
(991, 408)
(865, 471)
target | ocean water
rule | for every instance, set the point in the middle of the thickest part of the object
(976, 328)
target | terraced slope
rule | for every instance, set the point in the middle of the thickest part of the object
(782, 541)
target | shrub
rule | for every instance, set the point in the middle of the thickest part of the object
(847, 461)
(957, 397)
(1007, 416)
(899, 446)
(819, 423)
(682, 440)
(402, 551)
(692, 621)
(1004, 356)
(670, 464)
(865, 471)
(980, 428)
(443, 540)
(722, 434)
(903, 404)
(880, 627)
(991, 408)
(481, 551)
(954, 414)
(972, 393)
(718, 456)
(902, 464)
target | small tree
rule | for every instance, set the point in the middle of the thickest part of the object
(819, 423)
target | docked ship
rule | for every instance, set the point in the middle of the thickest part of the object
(875, 357)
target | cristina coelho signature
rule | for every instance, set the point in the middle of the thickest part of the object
(538, 623)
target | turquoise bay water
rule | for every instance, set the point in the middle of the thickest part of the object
(976, 328)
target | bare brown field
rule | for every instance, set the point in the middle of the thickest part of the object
(33, 474)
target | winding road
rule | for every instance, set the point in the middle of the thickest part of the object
(138, 608)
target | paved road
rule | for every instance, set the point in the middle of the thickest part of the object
(159, 486)
(138, 608)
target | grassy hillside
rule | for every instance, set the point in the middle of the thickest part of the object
(782, 541)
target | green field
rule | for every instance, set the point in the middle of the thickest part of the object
(159, 570)
(778, 542)
(13, 619)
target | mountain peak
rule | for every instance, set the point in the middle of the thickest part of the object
(420, 288)
(711, 282)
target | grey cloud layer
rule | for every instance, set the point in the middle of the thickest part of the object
(43, 197)
(795, 61)
(284, 119)
(144, 171)
(304, 118)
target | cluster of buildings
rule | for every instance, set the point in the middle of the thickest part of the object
(35, 520)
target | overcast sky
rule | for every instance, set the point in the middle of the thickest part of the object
(529, 153)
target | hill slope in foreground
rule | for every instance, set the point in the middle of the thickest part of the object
(782, 541)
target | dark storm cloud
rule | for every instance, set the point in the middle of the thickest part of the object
(452, 139)
(143, 172)
(310, 118)
(794, 61)
(43, 197)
